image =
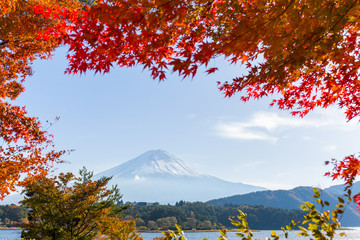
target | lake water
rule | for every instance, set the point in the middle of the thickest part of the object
(10, 234)
(350, 235)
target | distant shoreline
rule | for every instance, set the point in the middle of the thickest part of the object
(234, 230)
(193, 230)
(9, 228)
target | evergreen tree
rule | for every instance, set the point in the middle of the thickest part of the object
(67, 207)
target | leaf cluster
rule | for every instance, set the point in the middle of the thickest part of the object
(70, 207)
(306, 52)
(25, 149)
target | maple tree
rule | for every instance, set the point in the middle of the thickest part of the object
(24, 141)
(304, 53)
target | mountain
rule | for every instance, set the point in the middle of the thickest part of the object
(155, 163)
(157, 176)
(290, 199)
(339, 189)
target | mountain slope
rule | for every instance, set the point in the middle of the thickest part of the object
(339, 189)
(289, 199)
(157, 176)
(153, 163)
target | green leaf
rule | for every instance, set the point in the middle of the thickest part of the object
(316, 193)
(312, 227)
(222, 231)
(302, 229)
(235, 223)
(178, 227)
(304, 234)
(305, 222)
(313, 213)
(310, 205)
(273, 234)
(303, 207)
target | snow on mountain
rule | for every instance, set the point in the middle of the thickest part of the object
(157, 176)
(152, 163)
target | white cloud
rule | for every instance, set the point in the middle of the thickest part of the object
(272, 121)
(239, 130)
(264, 125)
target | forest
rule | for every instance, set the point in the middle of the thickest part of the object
(201, 216)
(197, 215)
(12, 215)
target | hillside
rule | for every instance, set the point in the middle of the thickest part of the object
(288, 199)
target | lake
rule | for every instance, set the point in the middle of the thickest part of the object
(353, 234)
(350, 235)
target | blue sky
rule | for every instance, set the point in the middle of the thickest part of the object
(109, 119)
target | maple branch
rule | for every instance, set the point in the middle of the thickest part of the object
(239, 35)
(282, 13)
(330, 30)
(26, 2)
(338, 21)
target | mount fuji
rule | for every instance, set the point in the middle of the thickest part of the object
(157, 176)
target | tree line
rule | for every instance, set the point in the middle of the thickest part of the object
(196, 215)
(201, 216)
(12, 215)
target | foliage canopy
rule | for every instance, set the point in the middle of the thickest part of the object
(67, 207)
(304, 51)
(25, 142)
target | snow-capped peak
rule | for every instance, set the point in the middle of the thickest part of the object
(151, 163)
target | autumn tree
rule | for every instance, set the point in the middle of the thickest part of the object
(303, 53)
(26, 149)
(69, 207)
